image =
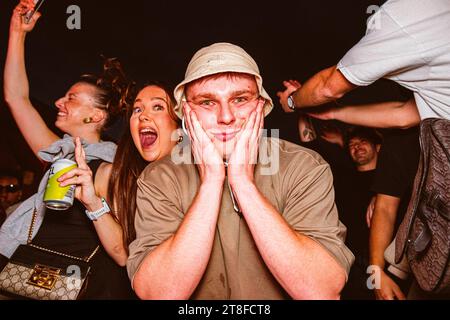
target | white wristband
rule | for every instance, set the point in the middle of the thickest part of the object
(98, 213)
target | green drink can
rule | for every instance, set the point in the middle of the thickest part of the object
(56, 197)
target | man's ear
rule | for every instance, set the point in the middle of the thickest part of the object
(378, 147)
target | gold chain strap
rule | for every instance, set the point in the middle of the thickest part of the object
(30, 238)
(88, 259)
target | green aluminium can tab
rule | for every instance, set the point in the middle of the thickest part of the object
(57, 197)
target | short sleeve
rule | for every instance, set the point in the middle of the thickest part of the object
(158, 214)
(385, 50)
(310, 209)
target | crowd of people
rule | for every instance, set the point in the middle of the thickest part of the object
(195, 203)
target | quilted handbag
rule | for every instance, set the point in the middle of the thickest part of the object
(39, 273)
(424, 235)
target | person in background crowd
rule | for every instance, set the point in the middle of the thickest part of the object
(10, 190)
(393, 182)
(89, 107)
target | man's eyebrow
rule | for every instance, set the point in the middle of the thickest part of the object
(241, 92)
(205, 96)
(211, 96)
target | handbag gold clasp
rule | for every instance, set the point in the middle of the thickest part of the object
(44, 277)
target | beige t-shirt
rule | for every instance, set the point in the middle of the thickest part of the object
(301, 190)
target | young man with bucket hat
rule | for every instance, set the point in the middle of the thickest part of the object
(225, 225)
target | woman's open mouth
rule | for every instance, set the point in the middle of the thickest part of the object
(148, 137)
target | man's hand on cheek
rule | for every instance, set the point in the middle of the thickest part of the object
(242, 162)
(207, 158)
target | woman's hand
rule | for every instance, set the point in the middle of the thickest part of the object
(18, 24)
(82, 178)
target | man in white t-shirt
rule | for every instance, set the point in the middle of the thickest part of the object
(407, 41)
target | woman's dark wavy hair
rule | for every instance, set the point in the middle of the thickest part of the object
(127, 167)
(115, 92)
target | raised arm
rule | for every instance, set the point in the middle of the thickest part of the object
(325, 86)
(16, 89)
(380, 115)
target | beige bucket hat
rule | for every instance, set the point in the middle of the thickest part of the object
(218, 58)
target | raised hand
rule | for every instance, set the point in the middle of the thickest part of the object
(208, 160)
(242, 162)
(82, 178)
(332, 134)
(18, 17)
(291, 86)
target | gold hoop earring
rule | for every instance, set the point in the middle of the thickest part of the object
(180, 139)
(87, 120)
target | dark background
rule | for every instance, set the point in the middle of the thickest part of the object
(155, 40)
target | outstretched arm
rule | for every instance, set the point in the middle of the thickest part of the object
(325, 86)
(16, 89)
(380, 115)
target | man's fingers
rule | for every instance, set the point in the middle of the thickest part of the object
(188, 121)
(399, 294)
(248, 128)
(201, 135)
(258, 122)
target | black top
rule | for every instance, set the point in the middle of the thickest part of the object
(73, 233)
(354, 203)
(397, 166)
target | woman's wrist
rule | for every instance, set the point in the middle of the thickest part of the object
(94, 205)
(17, 36)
